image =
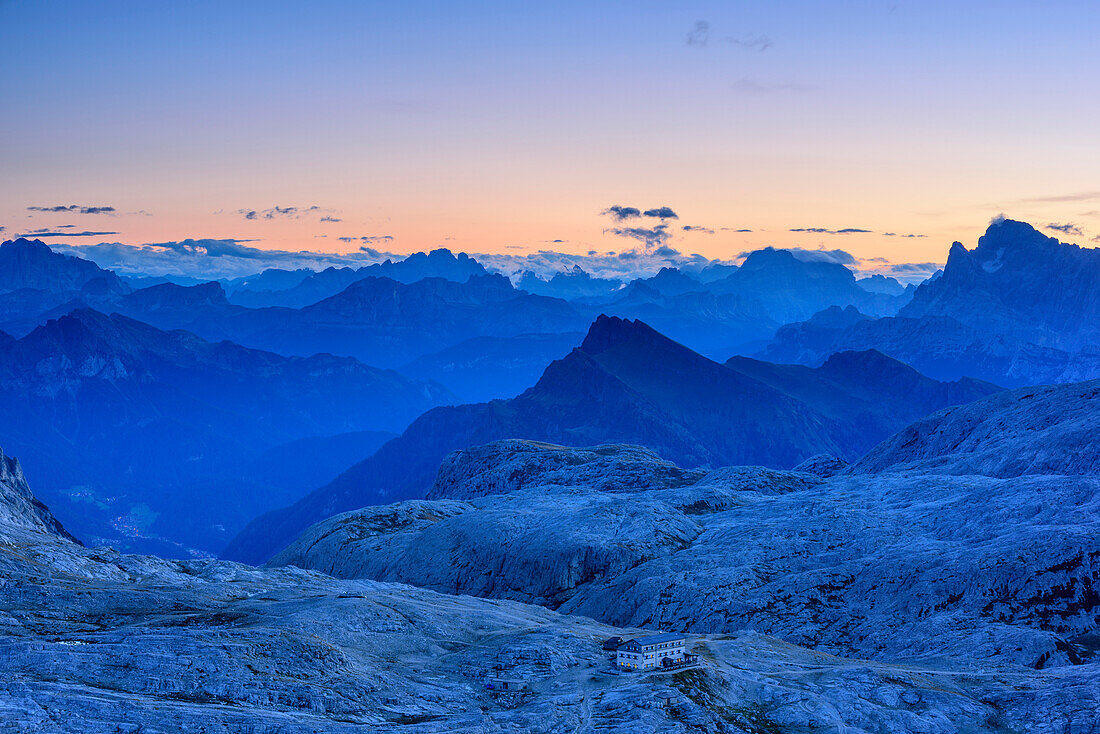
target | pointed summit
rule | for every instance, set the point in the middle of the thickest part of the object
(31, 264)
(607, 332)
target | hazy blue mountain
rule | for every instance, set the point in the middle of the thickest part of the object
(574, 284)
(35, 279)
(1019, 309)
(137, 434)
(314, 287)
(31, 264)
(715, 272)
(671, 282)
(1020, 284)
(272, 279)
(867, 393)
(490, 367)
(712, 324)
(791, 289)
(878, 283)
(330, 281)
(136, 282)
(627, 383)
(377, 320)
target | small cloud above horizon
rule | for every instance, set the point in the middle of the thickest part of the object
(281, 212)
(700, 36)
(1066, 228)
(823, 230)
(621, 213)
(72, 209)
(53, 233)
(370, 238)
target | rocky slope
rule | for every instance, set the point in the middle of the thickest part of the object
(892, 566)
(1019, 309)
(94, 642)
(133, 431)
(627, 383)
(1050, 429)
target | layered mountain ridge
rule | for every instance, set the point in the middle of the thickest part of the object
(118, 418)
(1019, 309)
(627, 383)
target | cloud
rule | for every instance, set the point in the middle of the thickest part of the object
(282, 212)
(72, 209)
(661, 212)
(651, 237)
(211, 258)
(840, 257)
(372, 238)
(753, 43)
(697, 228)
(754, 87)
(731, 229)
(624, 266)
(619, 213)
(1067, 228)
(823, 230)
(700, 34)
(895, 234)
(49, 233)
(331, 219)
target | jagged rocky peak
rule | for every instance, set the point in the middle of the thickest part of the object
(611, 331)
(508, 466)
(19, 509)
(27, 263)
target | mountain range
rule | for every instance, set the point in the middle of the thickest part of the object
(144, 438)
(1019, 309)
(627, 383)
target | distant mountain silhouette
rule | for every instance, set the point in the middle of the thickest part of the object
(790, 289)
(34, 279)
(118, 419)
(627, 383)
(489, 367)
(1020, 284)
(31, 264)
(572, 285)
(314, 287)
(1019, 309)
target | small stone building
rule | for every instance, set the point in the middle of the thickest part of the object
(652, 652)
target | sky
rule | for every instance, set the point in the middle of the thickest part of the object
(883, 129)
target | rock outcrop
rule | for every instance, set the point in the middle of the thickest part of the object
(894, 567)
(1050, 429)
(94, 641)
